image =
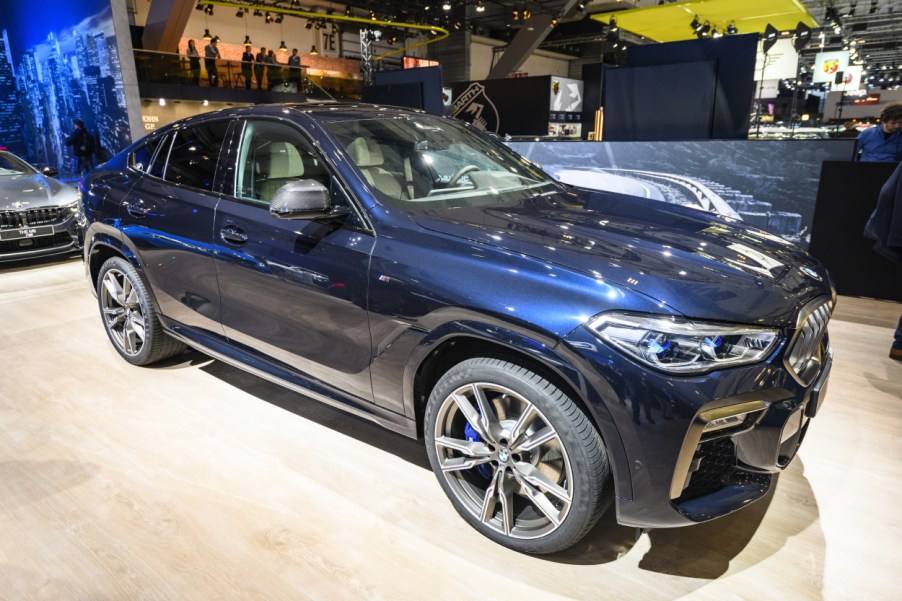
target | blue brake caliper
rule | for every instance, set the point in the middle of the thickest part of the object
(484, 470)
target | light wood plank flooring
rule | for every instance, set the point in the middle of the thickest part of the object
(196, 481)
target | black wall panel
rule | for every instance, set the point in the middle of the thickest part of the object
(846, 198)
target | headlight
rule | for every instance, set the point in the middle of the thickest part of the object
(678, 345)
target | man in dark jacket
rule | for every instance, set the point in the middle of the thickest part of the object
(211, 55)
(885, 228)
(82, 143)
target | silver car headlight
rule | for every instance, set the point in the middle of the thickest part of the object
(682, 346)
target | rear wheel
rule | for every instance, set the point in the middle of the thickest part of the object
(518, 459)
(129, 317)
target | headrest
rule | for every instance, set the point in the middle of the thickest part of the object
(282, 160)
(365, 152)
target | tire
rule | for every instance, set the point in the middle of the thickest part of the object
(128, 315)
(532, 476)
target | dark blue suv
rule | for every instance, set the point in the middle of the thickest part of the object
(558, 348)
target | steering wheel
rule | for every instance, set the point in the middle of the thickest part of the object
(460, 173)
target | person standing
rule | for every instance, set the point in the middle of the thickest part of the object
(294, 69)
(882, 142)
(193, 63)
(211, 53)
(259, 66)
(272, 69)
(247, 65)
(884, 227)
(82, 143)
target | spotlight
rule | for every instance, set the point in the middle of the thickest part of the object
(295, 3)
(348, 11)
(240, 13)
(279, 18)
(446, 5)
(554, 22)
(209, 10)
(526, 14)
(715, 33)
(770, 38)
(268, 18)
(308, 24)
(801, 36)
(731, 28)
(480, 6)
(258, 13)
(704, 30)
(695, 24)
(613, 24)
(198, 6)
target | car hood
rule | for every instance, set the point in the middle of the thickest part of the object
(21, 192)
(697, 264)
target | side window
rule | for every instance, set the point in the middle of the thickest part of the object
(142, 156)
(273, 154)
(194, 154)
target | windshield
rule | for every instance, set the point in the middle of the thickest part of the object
(10, 164)
(425, 162)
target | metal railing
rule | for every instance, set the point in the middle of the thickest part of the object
(168, 68)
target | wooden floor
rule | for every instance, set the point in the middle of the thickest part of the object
(195, 481)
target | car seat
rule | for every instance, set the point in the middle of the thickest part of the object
(367, 154)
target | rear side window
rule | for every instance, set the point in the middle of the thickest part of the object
(194, 154)
(143, 155)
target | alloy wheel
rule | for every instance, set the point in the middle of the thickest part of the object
(503, 460)
(122, 313)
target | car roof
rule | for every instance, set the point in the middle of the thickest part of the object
(323, 111)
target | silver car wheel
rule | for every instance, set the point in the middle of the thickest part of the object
(122, 313)
(503, 460)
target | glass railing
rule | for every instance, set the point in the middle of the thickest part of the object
(167, 68)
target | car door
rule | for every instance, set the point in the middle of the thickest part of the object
(294, 290)
(168, 216)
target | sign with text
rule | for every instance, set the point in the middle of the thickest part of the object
(780, 62)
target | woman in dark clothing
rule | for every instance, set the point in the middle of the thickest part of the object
(193, 63)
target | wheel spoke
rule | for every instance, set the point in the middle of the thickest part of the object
(113, 288)
(534, 440)
(488, 502)
(476, 453)
(520, 427)
(532, 476)
(506, 496)
(472, 416)
(130, 294)
(540, 500)
(128, 338)
(487, 414)
(499, 491)
(138, 326)
(114, 316)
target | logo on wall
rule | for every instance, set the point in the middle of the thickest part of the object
(475, 107)
(831, 66)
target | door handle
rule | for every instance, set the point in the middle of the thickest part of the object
(137, 209)
(232, 235)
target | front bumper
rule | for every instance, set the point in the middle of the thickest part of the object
(669, 469)
(33, 241)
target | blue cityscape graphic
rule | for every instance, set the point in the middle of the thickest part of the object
(73, 72)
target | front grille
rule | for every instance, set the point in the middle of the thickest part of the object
(805, 350)
(58, 239)
(712, 465)
(11, 220)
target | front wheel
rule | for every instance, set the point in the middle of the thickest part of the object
(517, 458)
(129, 317)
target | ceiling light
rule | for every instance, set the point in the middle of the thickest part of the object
(207, 35)
(731, 28)
(247, 41)
(283, 47)
(480, 6)
(446, 5)
(313, 51)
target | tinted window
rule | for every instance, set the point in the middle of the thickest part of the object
(272, 155)
(159, 161)
(194, 154)
(143, 155)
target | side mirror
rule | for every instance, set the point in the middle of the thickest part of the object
(49, 171)
(303, 199)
